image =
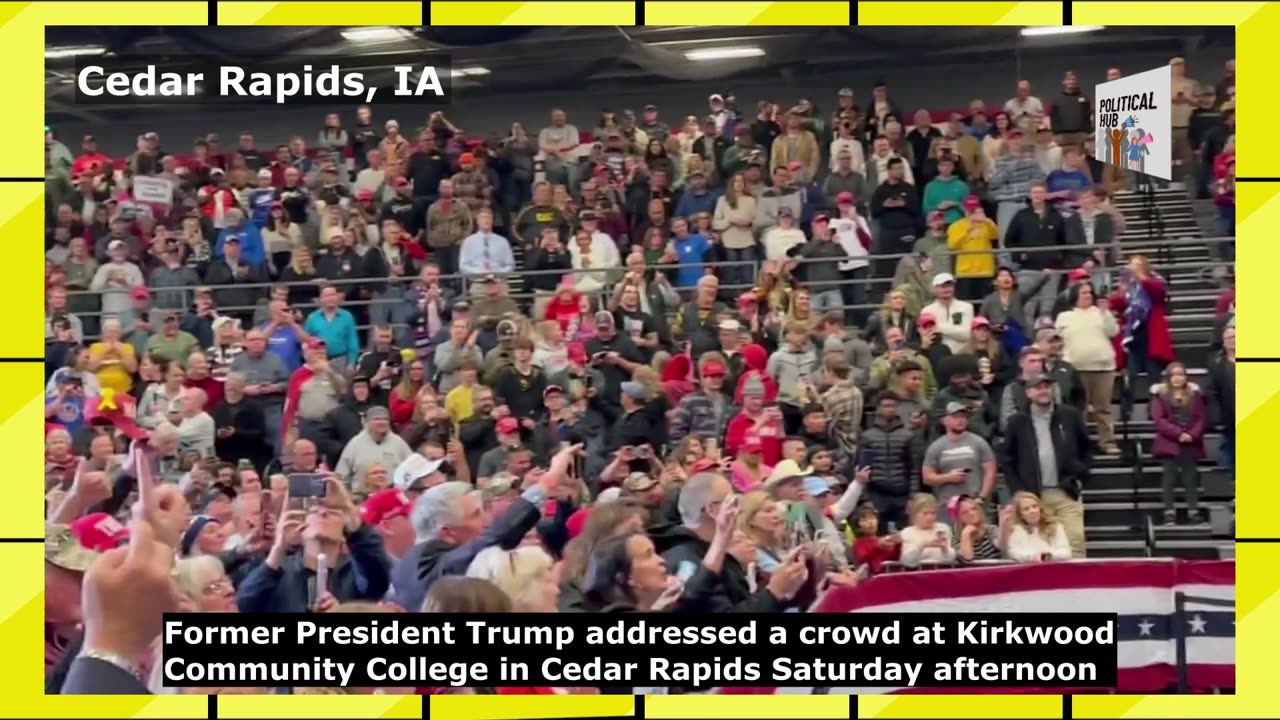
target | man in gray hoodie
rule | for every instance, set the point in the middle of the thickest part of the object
(781, 194)
(376, 444)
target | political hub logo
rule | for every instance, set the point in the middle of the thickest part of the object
(1134, 122)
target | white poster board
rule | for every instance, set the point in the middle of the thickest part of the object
(1134, 120)
(153, 190)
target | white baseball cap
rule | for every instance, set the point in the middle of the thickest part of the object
(414, 468)
(942, 279)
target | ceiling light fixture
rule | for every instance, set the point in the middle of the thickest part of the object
(1060, 30)
(726, 53)
(375, 34)
(73, 51)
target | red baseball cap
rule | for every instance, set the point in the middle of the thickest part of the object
(973, 202)
(820, 218)
(577, 352)
(980, 321)
(138, 292)
(927, 319)
(704, 464)
(385, 504)
(844, 198)
(752, 445)
(1077, 274)
(364, 195)
(99, 532)
(507, 425)
(315, 343)
(466, 158)
(713, 369)
(111, 408)
(747, 298)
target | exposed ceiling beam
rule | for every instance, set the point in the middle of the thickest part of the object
(74, 111)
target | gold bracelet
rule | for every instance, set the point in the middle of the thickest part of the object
(119, 661)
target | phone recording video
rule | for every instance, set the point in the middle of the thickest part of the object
(306, 486)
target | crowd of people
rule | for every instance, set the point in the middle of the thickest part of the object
(719, 365)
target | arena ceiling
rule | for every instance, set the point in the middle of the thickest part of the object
(502, 59)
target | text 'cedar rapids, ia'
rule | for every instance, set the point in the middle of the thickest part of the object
(94, 81)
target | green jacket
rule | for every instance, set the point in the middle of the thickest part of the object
(940, 190)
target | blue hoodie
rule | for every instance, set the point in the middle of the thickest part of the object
(252, 249)
(691, 204)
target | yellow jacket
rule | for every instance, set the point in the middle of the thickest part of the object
(974, 243)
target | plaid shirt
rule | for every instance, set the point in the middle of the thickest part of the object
(843, 405)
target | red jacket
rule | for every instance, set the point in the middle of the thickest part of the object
(1159, 339)
(868, 551)
(770, 438)
(562, 312)
(296, 381)
(402, 410)
(82, 163)
(212, 197)
(212, 389)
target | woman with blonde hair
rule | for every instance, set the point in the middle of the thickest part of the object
(202, 586)
(373, 478)
(802, 310)
(925, 540)
(1030, 532)
(893, 313)
(975, 538)
(659, 361)
(550, 351)
(761, 520)
(404, 396)
(526, 574)
(300, 276)
(734, 213)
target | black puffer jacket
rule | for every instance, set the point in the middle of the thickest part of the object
(894, 472)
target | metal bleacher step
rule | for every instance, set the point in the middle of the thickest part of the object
(1116, 548)
(1122, 513)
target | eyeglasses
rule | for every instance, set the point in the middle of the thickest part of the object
(222, 584)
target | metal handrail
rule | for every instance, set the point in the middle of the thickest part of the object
(519, 274)
(462, 281)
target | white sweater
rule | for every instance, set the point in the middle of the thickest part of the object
(1086, 338)
(914, 551)
(954, 334)
(777, 241)
(1027, 546)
